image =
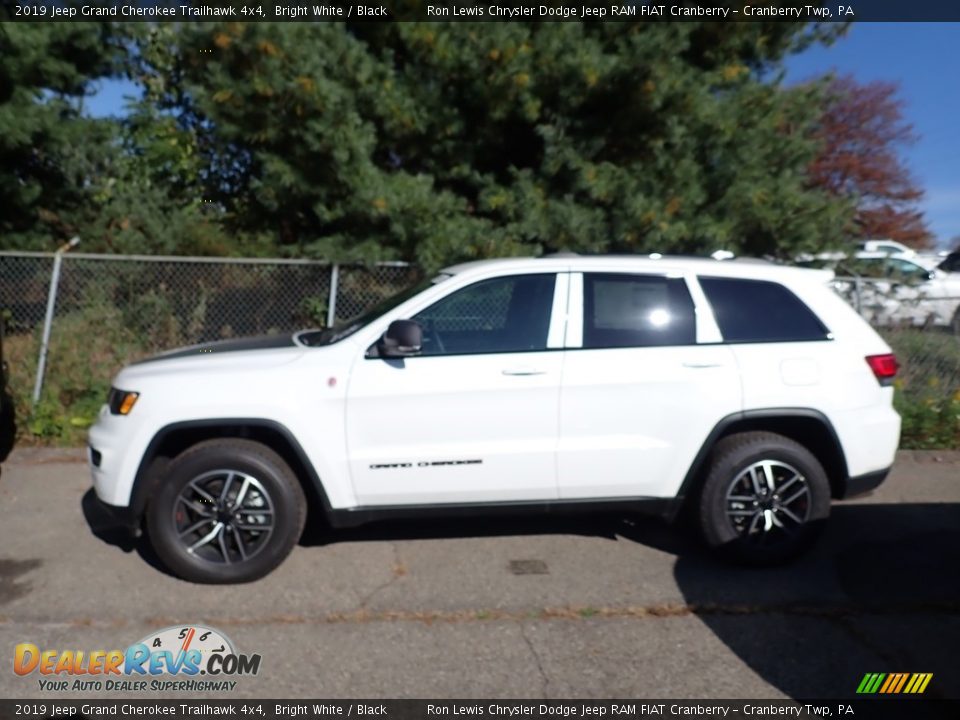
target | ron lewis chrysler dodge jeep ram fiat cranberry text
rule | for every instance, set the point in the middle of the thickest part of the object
(746, 392)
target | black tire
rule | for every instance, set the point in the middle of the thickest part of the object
(255, 535)
(745, 521)
(8, 425)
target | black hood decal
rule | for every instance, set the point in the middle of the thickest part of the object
(263, 342)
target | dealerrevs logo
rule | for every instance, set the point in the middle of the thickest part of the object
(180, 652)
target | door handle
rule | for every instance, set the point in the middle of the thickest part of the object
(524, 371)
(701, 365)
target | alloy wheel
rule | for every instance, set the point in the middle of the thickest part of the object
(768, 501)
(224, 516)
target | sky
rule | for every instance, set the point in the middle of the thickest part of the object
(920, 57)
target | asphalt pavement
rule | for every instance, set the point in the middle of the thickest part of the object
(581, 607)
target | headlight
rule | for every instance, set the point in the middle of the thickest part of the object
(121, 402)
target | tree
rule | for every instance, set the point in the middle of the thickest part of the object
(426, 142)
(45, 71)
(441, 142)
(861, 132)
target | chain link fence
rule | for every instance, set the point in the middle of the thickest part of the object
(107, 310)
(195, 299)
(891, 303)
(919, 317)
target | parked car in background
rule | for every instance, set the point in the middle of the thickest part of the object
(951, 263)
(747, 393)
(888, 247)
(896, 290)
(883, 247)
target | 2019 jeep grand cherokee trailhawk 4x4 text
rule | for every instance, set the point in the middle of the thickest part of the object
(749, 393)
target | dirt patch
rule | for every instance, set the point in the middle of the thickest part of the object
(11, 571)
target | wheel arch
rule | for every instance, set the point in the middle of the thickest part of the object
(809, 427)
(171, 440)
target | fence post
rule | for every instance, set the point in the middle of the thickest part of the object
(857, 288)
(48, 319)
(332, 304)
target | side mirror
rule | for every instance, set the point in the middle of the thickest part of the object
(402, 339)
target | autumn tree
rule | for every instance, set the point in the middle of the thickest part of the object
(862, 131)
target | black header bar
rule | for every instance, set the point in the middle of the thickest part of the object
(480, 10)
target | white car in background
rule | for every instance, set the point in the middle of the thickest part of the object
(886, 247)
(899, 290)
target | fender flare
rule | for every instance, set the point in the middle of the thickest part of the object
(722, 428)
(144, 484)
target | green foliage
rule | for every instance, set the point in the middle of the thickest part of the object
(418, 141)
(45, 71)
(315, 310)
(87, 348)
(930, 420)
(436, 143)
(928, 388)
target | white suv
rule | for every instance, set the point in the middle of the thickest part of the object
(748, 393)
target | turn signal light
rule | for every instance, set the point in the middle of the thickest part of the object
(121, 402)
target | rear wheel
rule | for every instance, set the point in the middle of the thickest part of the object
(765, 499)
(227, 511)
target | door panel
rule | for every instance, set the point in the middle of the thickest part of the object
(466, 428)
(474, 418)
(632, 419)
(639, 395)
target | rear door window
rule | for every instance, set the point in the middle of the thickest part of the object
(623, 310)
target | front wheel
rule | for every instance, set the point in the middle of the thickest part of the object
(765, 499)
(227, 511)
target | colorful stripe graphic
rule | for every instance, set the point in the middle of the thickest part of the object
(894, 683)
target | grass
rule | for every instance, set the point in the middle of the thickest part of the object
(928, 387)
(86, 349)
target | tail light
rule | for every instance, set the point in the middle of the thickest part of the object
(884, 367)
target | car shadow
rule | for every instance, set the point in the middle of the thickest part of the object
(880, 591)
(317, 534)
(104, 528)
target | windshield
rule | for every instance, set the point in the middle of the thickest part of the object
(343, 330)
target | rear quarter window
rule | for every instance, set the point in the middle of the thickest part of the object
(753, 311)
